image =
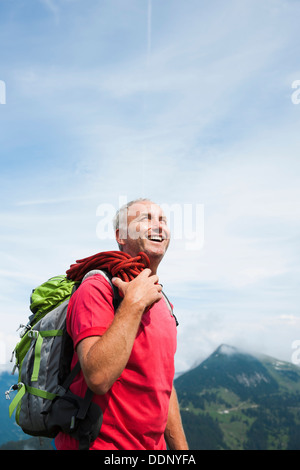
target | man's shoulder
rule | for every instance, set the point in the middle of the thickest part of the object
(98, 277)
(94, 285)
(97, 284)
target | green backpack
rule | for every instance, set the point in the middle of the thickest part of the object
(44, 404)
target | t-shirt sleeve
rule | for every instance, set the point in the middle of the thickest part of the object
(90, 310)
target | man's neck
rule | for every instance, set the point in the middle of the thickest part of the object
(154, 263)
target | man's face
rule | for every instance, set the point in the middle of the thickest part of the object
(147, 231)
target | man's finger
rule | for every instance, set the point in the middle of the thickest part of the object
(145, 272)
(117, 282)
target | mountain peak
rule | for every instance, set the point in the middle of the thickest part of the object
(231, 368)
(226, 349)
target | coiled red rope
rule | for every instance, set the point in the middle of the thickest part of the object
(117, 263)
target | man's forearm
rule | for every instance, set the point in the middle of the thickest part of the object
(174, 433)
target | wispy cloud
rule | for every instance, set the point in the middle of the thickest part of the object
(52, 6)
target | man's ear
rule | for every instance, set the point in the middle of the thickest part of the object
(120, 241)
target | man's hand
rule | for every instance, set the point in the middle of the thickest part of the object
(143, 291)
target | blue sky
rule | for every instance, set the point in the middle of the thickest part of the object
(182, 102)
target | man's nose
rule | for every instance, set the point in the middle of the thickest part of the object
(156, 224)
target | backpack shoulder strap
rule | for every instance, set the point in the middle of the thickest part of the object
(169, 305)
(108, 277)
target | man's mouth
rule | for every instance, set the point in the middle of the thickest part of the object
(156, 238)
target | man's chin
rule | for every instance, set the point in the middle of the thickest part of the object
(155, 249)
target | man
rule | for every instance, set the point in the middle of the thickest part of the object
(127, 356)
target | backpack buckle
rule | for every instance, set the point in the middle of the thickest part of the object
(33, 334)
(13, 388)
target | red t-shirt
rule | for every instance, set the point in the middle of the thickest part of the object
(135, 409)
